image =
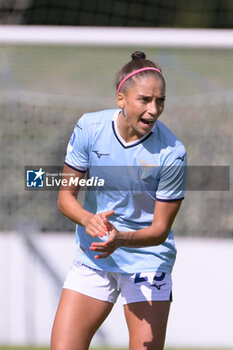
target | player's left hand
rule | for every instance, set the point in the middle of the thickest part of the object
(107, 247)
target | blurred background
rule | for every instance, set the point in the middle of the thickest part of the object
(123, 13)
(44, 90)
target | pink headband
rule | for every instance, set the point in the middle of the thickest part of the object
(135, 72)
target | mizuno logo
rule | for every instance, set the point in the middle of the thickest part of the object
(100, 154)
(182, 158)
(158, 286)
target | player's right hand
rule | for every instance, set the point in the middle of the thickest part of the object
(97, 224)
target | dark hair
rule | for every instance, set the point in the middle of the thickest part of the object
(138, 61)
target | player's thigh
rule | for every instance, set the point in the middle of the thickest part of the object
(147, 323)
(77, 319)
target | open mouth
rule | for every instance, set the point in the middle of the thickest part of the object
(148, 122)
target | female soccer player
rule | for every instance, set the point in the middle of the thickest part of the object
(124, 240)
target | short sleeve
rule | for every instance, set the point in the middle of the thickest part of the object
(173, 172)
(77, 154)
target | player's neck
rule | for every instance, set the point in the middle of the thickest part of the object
(126, 130)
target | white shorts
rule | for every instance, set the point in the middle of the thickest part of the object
(106, 286)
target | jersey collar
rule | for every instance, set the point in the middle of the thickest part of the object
(120, 139)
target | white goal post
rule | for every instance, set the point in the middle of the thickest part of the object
(116, 36)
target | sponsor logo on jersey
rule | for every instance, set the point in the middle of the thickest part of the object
(181, 158)
(99, 155)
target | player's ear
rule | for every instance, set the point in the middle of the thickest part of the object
(120, 100)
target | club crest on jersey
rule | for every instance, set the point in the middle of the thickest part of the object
(146, 169)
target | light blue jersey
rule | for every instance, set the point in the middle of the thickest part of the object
(135, 176)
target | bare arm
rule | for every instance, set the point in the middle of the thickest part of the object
(69, 206)
(164, 215)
